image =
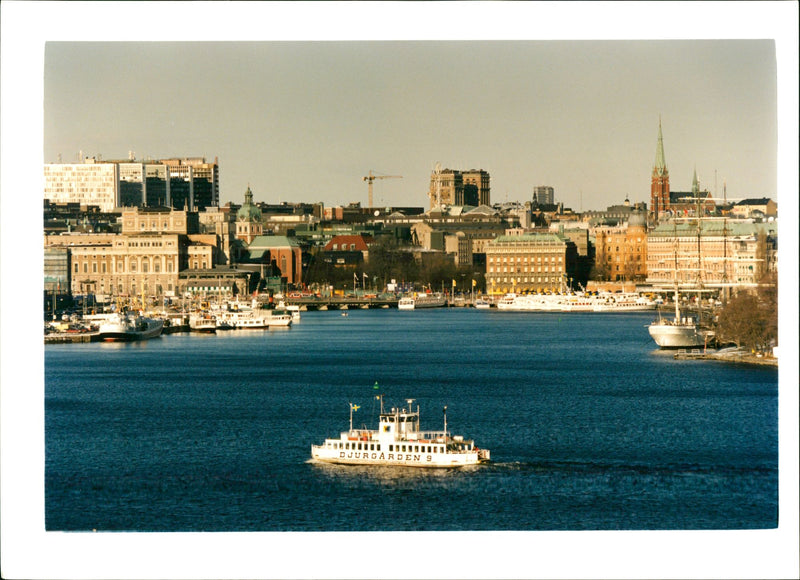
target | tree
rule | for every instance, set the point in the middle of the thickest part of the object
(750, 318)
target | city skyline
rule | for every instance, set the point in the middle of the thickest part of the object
(306, 121)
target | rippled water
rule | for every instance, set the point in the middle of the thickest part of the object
(589, 427)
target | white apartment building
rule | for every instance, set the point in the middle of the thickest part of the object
(88, 183)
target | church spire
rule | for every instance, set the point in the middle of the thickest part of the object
(695, 185)
(659, 180)
(661, 165)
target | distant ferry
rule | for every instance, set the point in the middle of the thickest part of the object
(398, 441)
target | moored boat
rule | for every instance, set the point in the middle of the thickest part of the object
(398, 441)
(127, 326)
(202, 322)
(405, 303)
(430, 300)
(680, 332)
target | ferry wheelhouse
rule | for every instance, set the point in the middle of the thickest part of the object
(399, 441)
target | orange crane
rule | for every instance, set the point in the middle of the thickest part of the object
(370, 178)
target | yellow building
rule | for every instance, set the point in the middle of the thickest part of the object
(529, 263)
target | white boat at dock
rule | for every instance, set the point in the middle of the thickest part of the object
(422, 300)
(242, 315)
(622, 302)
(405, 303)
(129, 326)
(202, 322)
(576, 302)
(398, 441)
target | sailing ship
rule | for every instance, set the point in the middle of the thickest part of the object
(682, 331)
(398, 441)
(685, 331)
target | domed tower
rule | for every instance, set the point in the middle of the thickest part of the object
(659, 181)
(248, 219)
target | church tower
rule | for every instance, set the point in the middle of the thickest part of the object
(659, 181)
(248, 219)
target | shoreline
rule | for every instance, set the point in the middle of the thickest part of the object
(729, 357)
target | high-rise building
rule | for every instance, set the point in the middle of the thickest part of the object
(659, 181)
(193, 183)
(181, 183)
(543, 195)
(87, 183)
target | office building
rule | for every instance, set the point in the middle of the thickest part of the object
(543, 195)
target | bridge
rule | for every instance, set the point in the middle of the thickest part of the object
(342, 302)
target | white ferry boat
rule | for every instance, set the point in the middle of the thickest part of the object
(398, 441)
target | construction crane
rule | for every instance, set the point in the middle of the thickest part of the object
(370, 178)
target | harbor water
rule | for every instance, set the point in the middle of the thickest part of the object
(590, 427)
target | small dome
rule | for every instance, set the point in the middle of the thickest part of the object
(248, 211)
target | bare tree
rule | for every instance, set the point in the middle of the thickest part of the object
(750, 318)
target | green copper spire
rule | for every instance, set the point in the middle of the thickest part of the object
(661, 165)
(695, 186)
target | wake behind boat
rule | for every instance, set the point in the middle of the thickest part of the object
(398, 441)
